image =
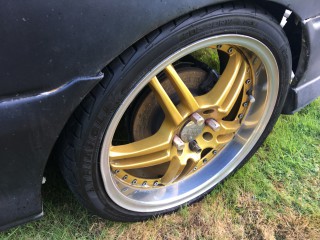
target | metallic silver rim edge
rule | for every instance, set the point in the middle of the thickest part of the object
(251, 129)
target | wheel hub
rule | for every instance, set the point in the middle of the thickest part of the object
(191, 131)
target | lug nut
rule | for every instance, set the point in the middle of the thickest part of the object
(245, 104)
(252, 99)
(213, 124)
(240, 116)
(248, 81)
(193, 145)
(230, 50)
(197, 119)
(178, 143)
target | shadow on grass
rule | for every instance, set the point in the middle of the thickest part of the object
(62, 209)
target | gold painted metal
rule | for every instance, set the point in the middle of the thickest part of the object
(216, 104)
(164, 100)
(185, 95)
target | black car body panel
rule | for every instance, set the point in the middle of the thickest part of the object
(52, 54)
(305, 86)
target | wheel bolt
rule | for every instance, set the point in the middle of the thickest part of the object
(144, 183)
(125, 177)
(155, 183)
(134, 181)
(213, 124)
(248, 81)
(178, 143)
(197, 119)
(245, 104)
(252, 99)
(230, 50)
(215, 152)
(193, 145)
(240, 116)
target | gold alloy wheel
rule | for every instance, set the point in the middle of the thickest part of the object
(193, 131)
(151, 173)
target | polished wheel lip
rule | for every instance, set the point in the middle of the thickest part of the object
(158, 199)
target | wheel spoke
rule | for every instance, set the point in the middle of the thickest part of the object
(227, 85)
(234, 91)
(184, 93)
(228, 127)
(165, 102)
(143, 161)
(174, 170)
(147, 152)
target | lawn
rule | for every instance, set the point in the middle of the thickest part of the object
(274, 196)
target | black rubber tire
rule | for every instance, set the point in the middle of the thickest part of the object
(83, 135)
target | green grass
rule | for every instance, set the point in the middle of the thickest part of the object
(208, 56)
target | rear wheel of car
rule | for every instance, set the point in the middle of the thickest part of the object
(177, 113)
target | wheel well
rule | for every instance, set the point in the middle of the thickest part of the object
(293, 29)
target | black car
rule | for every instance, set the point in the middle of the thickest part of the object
(147, 105)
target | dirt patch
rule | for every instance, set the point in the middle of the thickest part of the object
(217, 221)
(286, 225)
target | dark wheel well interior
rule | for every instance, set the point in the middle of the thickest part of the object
(292, 29)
